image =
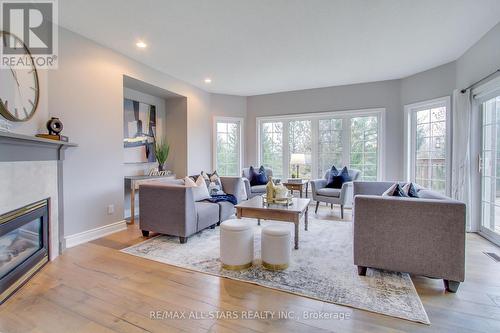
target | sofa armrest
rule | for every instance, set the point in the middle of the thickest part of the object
(420, 236)
(246, 182)
(234, 186)
(343, 191)
(167, 209)
(317, 184)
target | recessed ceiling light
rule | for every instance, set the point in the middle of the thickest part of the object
(208, 80)
(140, 44)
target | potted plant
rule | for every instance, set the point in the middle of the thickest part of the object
(162, 148)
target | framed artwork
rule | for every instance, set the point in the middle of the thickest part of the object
(139, 131)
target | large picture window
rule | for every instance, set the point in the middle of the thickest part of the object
(428, 144)
(271, 149)
(320, 140)
(227, 138)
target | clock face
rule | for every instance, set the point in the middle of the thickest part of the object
(19, 88)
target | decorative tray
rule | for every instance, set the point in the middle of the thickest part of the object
(282, 201)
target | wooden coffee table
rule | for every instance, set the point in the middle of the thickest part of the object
(255, 208)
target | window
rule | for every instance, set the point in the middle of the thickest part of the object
(364, 146)
(428, 143)
(271, 148)
(330, 144)
(320, 140)
(300, 142)
(227, 138)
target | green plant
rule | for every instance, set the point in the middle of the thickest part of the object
(162, 148)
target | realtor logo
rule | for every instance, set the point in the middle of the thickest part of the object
(34, 24)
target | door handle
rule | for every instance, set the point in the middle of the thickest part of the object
(479, 163)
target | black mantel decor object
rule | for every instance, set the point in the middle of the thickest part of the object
(54, 126)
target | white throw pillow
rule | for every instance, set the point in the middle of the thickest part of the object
(189, 182)
(390, 191)
(200, 190)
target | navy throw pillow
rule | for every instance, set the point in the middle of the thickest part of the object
(337, 180)
(258, 177)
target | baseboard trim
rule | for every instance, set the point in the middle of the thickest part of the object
(89, 235)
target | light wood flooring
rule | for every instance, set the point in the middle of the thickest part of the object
(95, 288)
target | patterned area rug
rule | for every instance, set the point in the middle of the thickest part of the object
(321, 269)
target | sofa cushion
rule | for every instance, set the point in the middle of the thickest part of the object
(429, 194)
(329, 192)
(258, 189)
(207, 214)
(226, 210)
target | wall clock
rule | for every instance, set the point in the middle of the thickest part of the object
(19, 90)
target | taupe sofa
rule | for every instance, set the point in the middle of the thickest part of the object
(423, 236)
(169, 208)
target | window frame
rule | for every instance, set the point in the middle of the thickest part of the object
(410, 111)
(223, 119)
(346, 116)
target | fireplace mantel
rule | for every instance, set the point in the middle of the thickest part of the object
(18, 147)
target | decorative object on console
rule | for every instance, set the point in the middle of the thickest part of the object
(297, 159)
(155, 172)
(139, 128)
(24, 83)
(162, 149)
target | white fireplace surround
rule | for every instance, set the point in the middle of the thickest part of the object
(30, 171)
(23, 183)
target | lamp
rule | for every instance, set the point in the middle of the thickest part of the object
(298, 159)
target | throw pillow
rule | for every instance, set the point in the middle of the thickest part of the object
(258, 178)
(338, 179)
(200, 190)
(410, 190)
(213, 181)
(394, 191)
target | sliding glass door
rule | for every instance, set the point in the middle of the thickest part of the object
(490, 169)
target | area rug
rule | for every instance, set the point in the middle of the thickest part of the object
(321, 269)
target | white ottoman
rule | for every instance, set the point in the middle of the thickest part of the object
(236, 244)
(276, 242)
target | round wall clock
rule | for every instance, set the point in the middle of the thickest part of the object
(19, 90)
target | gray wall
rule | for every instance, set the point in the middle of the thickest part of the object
(177, 135)
(433, 83)
(86, 92)
(384, 94)
(480, 60)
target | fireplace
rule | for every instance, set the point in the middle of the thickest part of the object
(24, 248)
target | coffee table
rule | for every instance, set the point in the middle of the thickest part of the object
(255, 208)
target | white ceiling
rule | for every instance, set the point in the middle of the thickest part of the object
(263, 46)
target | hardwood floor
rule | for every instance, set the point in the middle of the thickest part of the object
(95, 288)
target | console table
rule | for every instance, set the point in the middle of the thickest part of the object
(297, 186)
(133, 182)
